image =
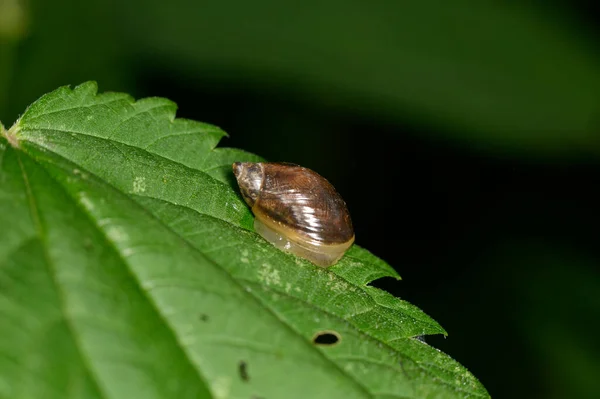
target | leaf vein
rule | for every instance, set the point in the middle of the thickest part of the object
(48, 263)
(200, 130)
(416, 362)
(96, 104)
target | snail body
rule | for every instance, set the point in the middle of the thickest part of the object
(296, 209)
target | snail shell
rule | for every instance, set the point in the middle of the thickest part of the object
(296, 209)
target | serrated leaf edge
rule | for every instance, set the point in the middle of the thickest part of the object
(11, 136)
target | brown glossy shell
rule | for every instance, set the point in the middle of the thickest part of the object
(296, 202)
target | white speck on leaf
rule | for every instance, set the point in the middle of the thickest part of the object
(337, 286)
(86, 201)
(139, 184)
(244, 258)
(77, 172)
(116, 233)
(268, 275)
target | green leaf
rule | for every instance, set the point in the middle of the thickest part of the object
(50, 43)
(129, 268)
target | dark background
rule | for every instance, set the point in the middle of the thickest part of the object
(464, 136)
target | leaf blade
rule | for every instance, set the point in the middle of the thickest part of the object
(172, 230)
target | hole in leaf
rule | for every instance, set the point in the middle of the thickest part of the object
(243, 371)
(326, 338)
(387, 284)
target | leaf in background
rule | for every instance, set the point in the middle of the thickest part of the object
(14, 15)
(13, 20)
(129, 268)
(498, 75)
(64, 41)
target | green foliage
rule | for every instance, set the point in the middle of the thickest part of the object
(129, 268)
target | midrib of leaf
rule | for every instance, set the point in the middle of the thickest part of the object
(45, 144)
(52, 273)
(30, 327)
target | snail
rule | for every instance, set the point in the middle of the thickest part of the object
(296, 209)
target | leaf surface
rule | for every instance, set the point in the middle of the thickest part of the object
(129, 268)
